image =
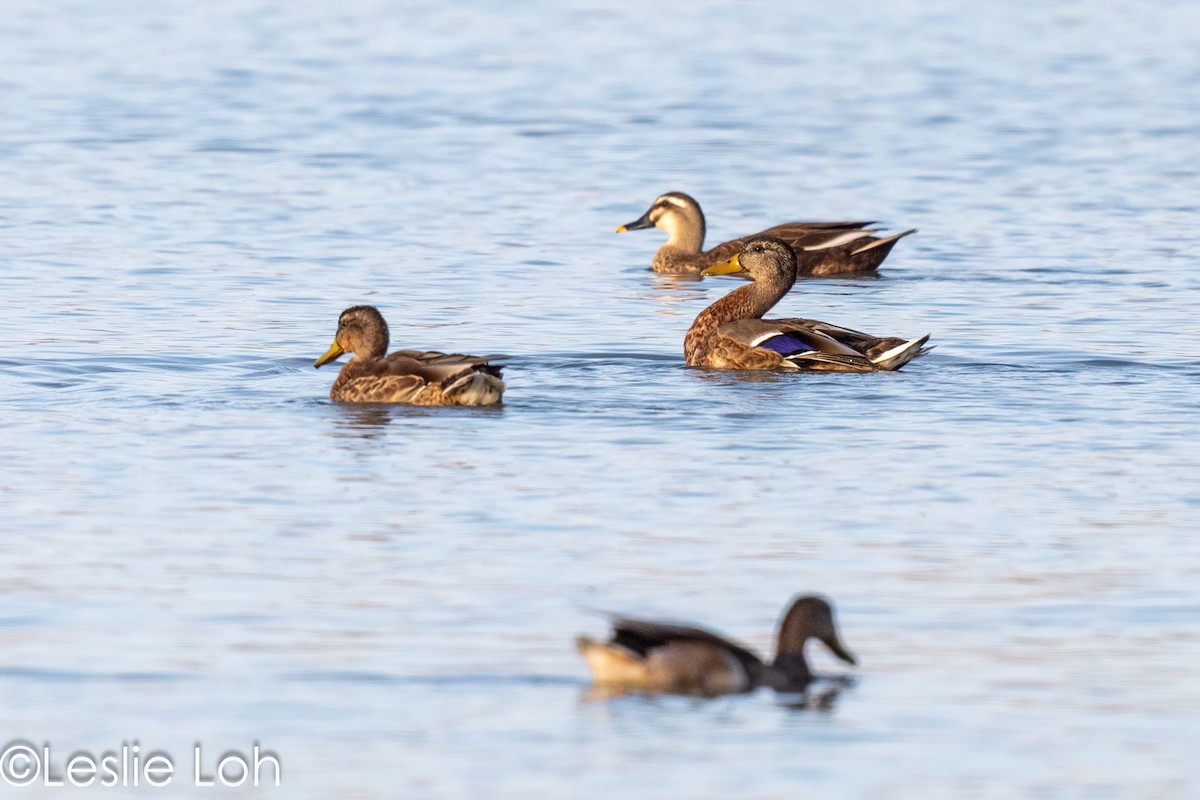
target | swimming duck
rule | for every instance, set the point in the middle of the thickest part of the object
(731, 333)
(406, 376)
(844, 247)
(676, 659)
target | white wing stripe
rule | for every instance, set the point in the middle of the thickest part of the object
(840, 239)
(756, 341)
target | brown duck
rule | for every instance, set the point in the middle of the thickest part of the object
(731, 333)
(661, 657)
(838, 248)
(406, 376)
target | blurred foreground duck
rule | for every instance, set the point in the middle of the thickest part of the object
(731, 333)
(406, 376)
(839, 248)
(647, 656)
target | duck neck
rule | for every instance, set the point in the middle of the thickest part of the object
(751, 301)
(685, 232)
(789, 672)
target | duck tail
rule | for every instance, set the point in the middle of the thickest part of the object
(901, 354)
(477, 388)
(611, 663)
(886, 242)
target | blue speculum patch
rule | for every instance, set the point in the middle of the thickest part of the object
(785, 344)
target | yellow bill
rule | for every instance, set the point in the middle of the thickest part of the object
(332, 353)
(730, 267)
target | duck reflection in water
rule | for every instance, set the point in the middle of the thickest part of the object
(366, 421)
(372, 420)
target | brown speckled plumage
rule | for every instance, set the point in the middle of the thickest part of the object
(845, 248)
(423, 378)
(647, 656)
(728, 334)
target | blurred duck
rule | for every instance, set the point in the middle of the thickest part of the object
(406, 376)
(660, 657)
(839, 248)
(731, 333)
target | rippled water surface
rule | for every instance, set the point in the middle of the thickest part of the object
(199, 547)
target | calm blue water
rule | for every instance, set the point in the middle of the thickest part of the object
(199, 548)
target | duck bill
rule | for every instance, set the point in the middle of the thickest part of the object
(838, 649)
(638, 224)
(333, 352)
(731, 267)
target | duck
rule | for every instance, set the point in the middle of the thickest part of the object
(413, 377)
(731, 333)
(844, 248)
(666, 658)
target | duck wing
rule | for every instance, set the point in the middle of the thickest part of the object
(438, 366)
(812, 344)
(799, 235)
(642, 636)
(790, 336)
(883, 352)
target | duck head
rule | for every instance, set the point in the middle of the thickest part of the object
(361, 331)
(810, 617)
(677, 214)
(765, 259)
